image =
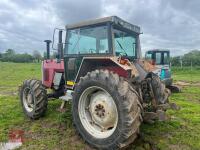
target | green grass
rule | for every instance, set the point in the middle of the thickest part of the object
(182, 130)
(13, 74)
(55, 131)
(186, 74)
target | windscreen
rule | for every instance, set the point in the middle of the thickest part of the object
(124, 43)
(87, 40)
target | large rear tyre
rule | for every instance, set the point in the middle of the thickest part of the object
(33, 98)
(161, 93)
(106, 110)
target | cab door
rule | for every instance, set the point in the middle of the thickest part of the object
(90, 41)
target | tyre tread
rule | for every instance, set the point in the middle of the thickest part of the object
(131, 106)
(40, 96)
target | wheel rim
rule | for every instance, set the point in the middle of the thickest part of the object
(98, 112)
(28, 100)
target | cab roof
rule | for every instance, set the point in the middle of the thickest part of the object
(112, 19)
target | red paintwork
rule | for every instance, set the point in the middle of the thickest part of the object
(49, 67)
(116, 69)
(16, 136)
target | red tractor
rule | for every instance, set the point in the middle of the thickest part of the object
(100, 70)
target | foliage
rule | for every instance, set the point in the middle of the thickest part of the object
(54, 55)
(37, 56)
(11, 56)
(45, 55)
(191, 58)
(10, 52)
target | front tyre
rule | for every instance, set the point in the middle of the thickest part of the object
(33, 98)
(106, 110)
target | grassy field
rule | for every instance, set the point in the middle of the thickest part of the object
(186, 74)
(180, 132)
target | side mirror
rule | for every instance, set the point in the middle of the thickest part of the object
(55, 37)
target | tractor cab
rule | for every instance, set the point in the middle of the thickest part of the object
(158, 57)
(92, 44)
(103, 37)
(161, 59)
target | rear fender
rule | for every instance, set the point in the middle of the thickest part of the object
(110, 63)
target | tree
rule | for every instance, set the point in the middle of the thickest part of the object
(8, 55)
(54, 55)
(45, 55)
(23, 58)
(11, 56)
(192, 57)
(37, 55)
(10, 52)
(175, 61)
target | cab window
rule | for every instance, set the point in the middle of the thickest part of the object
(87, 40)
(124, 43)
(166, 58)
(158, 58)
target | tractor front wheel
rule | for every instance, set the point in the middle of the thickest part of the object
(106, 110)
(33, 98)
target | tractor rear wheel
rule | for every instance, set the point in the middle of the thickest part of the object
(33, 98)
(106, 110)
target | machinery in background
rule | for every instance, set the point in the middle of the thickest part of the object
(161, 60)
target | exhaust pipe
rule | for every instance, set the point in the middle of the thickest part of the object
(48, 48)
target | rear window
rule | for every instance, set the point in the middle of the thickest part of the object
(158, 58)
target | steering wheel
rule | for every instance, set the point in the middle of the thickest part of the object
(121, 54)
(92, 50)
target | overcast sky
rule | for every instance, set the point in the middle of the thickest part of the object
(170, 24)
